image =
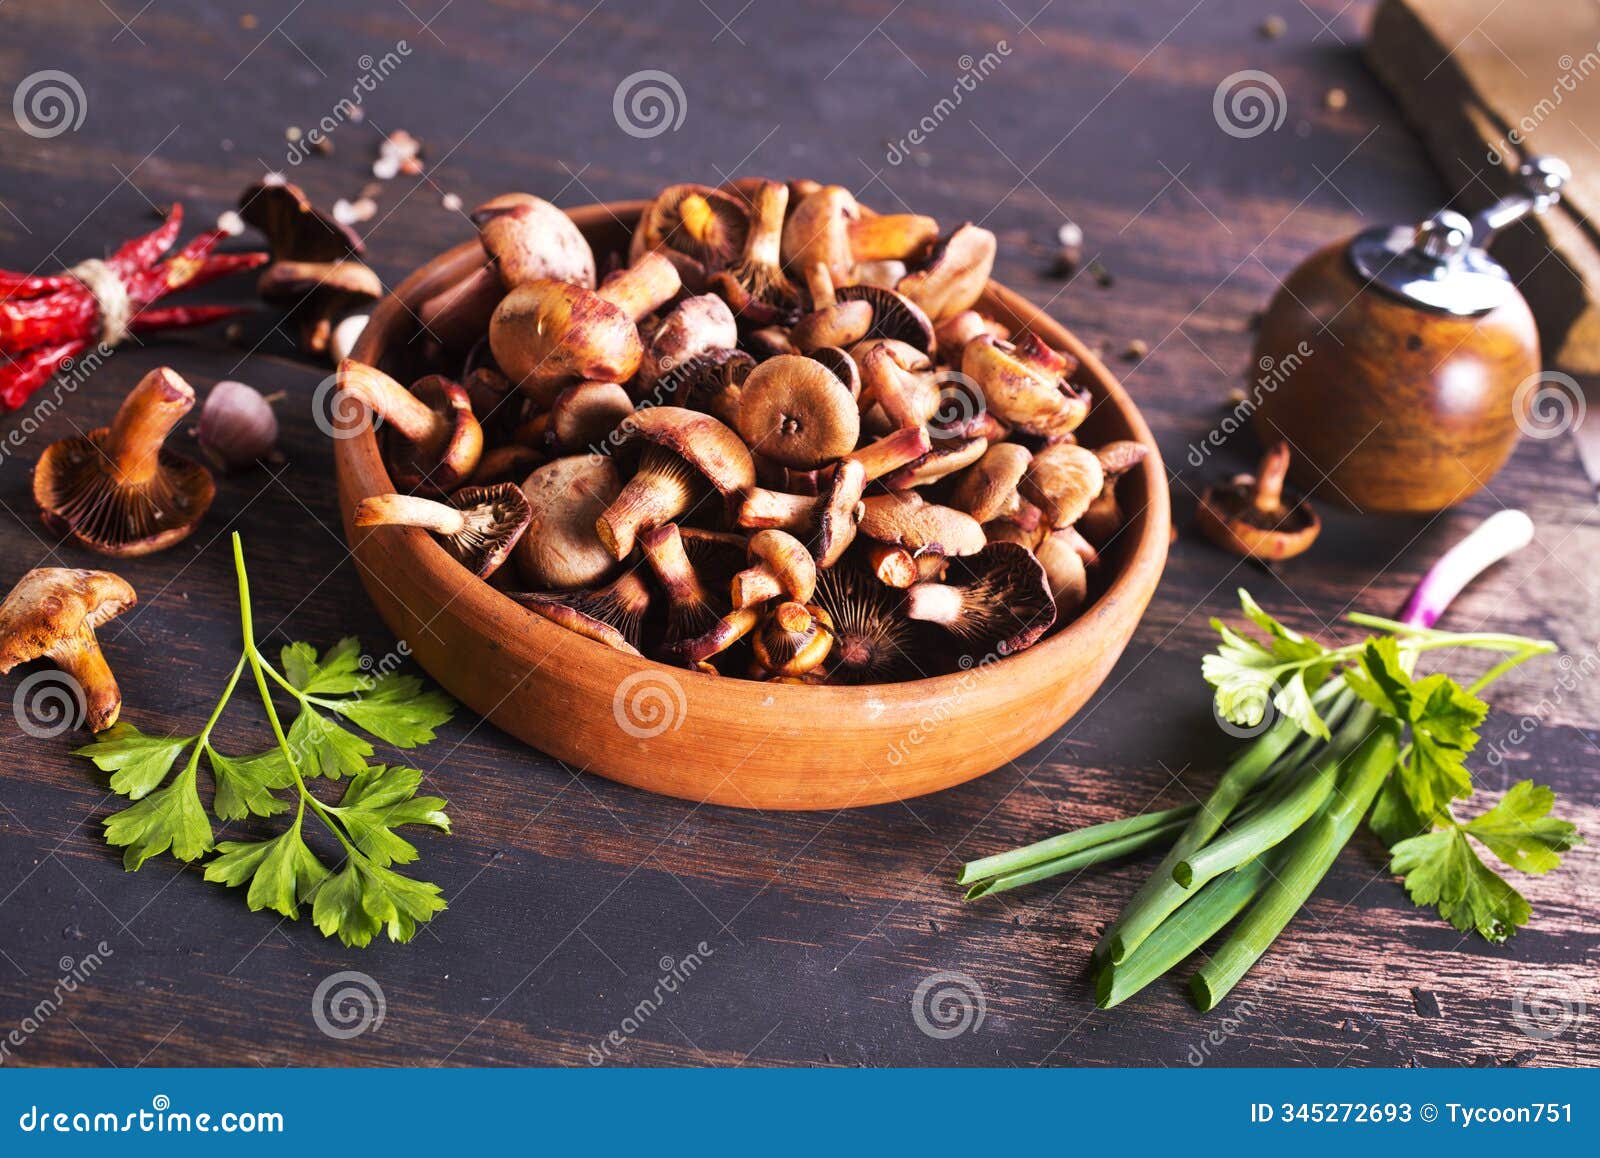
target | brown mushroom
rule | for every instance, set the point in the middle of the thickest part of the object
(755, 286)
(894, 316)
(1103, 519)
(695, 327)
(831, 322)
(692, 607)
(322, 278)
(906, 519)
(827, 226)
(560, 549)
(723, 634)
(52, 613)
(897, 378)
(583, 416)
(479, 526)
(1024, 383)
(611, 615)
(1065, 572)
(897, 449)
(945, 457)
(700, 230)
(1061, 481)
(1253, 515)
(795, 412)
(872, 636)
(1001, 600)
(509, 463)
(780, 564)
(793, 639)
(955, 276)
(954, 332)
(988, 488)
(433, 438)
(548, 334)
(682, 453)
(826, 522)
(117, 489)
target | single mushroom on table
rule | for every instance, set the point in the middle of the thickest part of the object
(682, 455)
(524, 238)
(52, 613)
(793, 639)
(118, 490)
(796, 412)
(547, 335)
(479, 526)
(560, 549)
(612, 615)
(433, 439)
(316, 268)
(1252, 515)
(1000, 599)
(1062, 480)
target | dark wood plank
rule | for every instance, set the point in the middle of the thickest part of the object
(567, 892)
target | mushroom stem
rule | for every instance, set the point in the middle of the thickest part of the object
(894, 566)
(934, 603)
(400, 408)
(145, 418)
(755, 585)
(644, 287)
(893, 451)
(79, 655)
(729, 630)
(409, 511)
(663, 489)
(1274, 467)
(767, 508)
(820, 282)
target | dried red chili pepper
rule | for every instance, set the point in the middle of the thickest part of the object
(47, 319)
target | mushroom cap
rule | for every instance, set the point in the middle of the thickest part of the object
(842, 324)
(497, 516)
(713, 450)
(946, 456)
(1119, 457)
(873, 639)
(893, 315)
(793, 639)
(843, 366)
(897, 379)
(1024, 386)
(955, 276)
(82, 491)
(1062, 480)
(296, 229)
(582, 416)
(528, 238)
(697, 326)
(549, 334)
(701, 230)
(906, 519)
(560, 549)
(839, 512)
(290, 282)
(1229, 517)
(50, 605)
(999, 598)
(1064, 568)
(796, 412)
(818, 231)
(449, 464)
(612, 615)
(988, 487)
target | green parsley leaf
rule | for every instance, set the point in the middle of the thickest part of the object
(1287, 644)
(363, 899)
(1393, 818)
(322, 748)
(338, 672)
(139, 763)
(171, 818)
(245, 784)
(380, 800)
(283, 872)
(397, 710)
(1241, 671)
(1441, 868)
(1248, 675)
(1521, 832)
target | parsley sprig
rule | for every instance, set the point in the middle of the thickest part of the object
(361, 894)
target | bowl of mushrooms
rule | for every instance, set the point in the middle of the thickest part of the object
(747, 495)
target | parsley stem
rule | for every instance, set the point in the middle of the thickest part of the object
(1305, 860)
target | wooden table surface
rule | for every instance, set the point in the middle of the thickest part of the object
(568, 894)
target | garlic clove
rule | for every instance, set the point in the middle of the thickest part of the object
(237, 426)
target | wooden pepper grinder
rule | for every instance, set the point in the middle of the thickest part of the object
(1390, 361)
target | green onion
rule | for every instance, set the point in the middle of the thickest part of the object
(1147, 836)
(1305, 860)
(1077, 840)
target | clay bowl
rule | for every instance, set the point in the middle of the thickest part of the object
(733, 741)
